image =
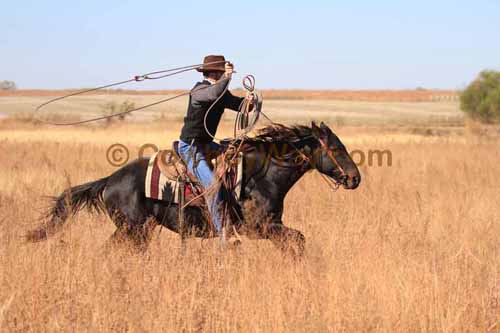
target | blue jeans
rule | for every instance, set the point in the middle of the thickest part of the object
(201, 169)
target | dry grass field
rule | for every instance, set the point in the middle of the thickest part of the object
(414, 248)
(418, 95)
(336, 107)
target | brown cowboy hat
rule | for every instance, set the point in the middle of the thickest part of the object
(209, 66)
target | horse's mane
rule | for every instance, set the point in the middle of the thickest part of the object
(280, 133)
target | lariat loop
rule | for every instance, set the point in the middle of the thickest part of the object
(136, 78)
(249, 83)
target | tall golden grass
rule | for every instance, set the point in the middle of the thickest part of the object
(415, 248)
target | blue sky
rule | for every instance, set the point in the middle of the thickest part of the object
(285, 44)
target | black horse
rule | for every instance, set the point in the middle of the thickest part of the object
(274, 161)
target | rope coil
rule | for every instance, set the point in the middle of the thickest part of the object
(247, 117)
(243, 123)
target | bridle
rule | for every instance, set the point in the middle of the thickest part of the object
(329, 152)
(303, 159)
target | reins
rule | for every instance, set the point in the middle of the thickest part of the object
(333, 184)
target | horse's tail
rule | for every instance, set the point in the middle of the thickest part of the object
(89, 195)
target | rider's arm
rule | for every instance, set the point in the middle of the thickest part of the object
(232, 102)
(202, 94)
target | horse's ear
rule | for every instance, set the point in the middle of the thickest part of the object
(316, 131)
(324, 127)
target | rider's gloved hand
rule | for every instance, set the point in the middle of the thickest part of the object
(250, 97)
(229, 69)
(251, 100)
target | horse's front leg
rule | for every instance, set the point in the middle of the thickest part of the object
(288, 240)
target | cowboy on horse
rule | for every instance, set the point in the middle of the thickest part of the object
(272, 162)
(196, 145)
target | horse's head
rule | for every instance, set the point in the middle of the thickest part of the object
(332, 159)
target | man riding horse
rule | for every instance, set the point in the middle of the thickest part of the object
(196, 145)
(275, 159)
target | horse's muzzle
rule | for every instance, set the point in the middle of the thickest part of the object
(351, 183)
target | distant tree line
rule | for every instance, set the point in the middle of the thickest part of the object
(7, 85)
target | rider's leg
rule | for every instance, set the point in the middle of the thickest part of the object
(196, 160)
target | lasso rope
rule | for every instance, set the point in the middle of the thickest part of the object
(242, 124)
(137, 78)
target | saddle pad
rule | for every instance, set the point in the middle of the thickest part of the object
(160, 187)
(157, 185)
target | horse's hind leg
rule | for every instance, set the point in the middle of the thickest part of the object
(140, 235)
(117, 239)
(126, 207)
(136, 238)
(133, 230)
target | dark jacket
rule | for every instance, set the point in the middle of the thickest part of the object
(200, 101)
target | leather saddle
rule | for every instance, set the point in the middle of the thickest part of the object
(172, 166)
(175, 171)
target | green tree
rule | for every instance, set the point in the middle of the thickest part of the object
(481, 99)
